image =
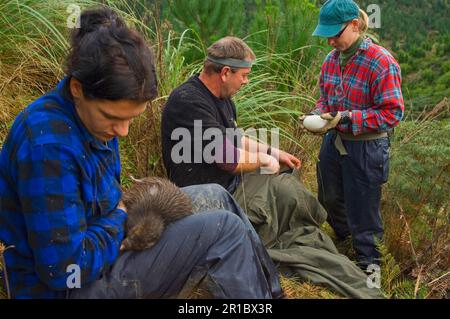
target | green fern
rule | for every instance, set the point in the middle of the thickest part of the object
(393, 283)
(390, 272)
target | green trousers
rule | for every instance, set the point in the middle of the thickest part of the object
(288, 218)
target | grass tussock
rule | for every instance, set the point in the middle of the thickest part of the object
(292, 287)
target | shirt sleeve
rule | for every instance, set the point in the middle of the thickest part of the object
(388, 107)
(228, 159)
(214, 138)
(59, 232)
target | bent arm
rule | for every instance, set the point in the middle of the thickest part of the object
(60, 232)
(388, 104)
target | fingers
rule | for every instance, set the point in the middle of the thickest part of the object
(302, 117)
(297, 163)
(122, 206)
(290, 164)
(327, 116)
(334, 117)
(304, 130)
(337, 118)
(294, 162)
(289, 160)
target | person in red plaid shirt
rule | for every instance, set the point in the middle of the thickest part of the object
(361, 99)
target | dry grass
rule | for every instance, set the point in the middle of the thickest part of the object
(292, 287)
(295, 289)
(3, 294)
(19, 86)
(141, 151)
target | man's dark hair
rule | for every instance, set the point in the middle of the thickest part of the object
(111, 61)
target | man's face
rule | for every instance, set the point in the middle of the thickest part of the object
(106, 119)
(233, 81)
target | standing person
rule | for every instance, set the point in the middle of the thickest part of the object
(361, 97)
(284, 213)
(60, 207)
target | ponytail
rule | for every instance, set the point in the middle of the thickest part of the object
(111, 61)
(363, 22)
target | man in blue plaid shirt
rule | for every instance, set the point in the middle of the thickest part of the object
(60, 191)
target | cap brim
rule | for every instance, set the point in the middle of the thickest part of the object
(327, 30)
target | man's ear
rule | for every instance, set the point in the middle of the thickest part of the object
(225, 72)
(76, 88)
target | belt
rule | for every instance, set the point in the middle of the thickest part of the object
(339, 136)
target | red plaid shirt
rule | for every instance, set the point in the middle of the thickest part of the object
(369, 86)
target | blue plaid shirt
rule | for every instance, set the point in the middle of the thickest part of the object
(59, 191)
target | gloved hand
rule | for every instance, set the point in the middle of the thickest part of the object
(333, 118)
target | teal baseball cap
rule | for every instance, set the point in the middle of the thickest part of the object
(333, 15)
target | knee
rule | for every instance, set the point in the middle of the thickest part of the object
(288, 189)
(209, 219)
(217, 194)
(216, 189)
(206, 189)
(224, 215)
(286, 185)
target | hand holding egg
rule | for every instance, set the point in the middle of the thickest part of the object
(319, 124)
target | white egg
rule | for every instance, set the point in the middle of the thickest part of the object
(314, 123)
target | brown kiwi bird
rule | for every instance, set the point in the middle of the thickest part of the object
(152, 203)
